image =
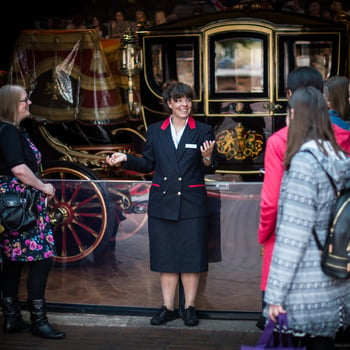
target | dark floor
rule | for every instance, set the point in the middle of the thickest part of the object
(105, 332)
(91, 332)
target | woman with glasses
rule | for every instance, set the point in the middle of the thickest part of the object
(179, 151)
(34, 247)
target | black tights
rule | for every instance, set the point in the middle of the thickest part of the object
(316, 343)
(38, 272)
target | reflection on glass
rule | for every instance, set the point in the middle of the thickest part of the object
(185, 64)
(157, 59)
(108, 221)
(316, 53)
(162, 60)
(239, 65)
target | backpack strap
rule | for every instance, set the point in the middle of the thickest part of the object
(317, 240)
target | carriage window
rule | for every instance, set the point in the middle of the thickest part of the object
(185, 64)
(175, 62)
(316, 53)
(239, 65)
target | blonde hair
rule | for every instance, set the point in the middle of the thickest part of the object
(10, 95)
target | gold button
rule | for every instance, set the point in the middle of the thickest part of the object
(180, 178)
(179, 193)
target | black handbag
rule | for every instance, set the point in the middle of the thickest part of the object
(19, 210)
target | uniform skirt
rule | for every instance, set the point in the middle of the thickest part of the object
(178, 246)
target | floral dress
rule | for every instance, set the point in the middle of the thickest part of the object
(36, 243)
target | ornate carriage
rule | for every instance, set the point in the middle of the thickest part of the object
(237, 62)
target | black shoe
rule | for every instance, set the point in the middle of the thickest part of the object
(190, 317)
(163, 316)
(13, 321)
(40, 324)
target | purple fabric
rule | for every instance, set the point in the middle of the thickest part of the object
(266, 339)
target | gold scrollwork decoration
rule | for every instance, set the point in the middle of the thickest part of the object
(239, 144)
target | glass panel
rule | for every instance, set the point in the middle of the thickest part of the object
(157, 59)
(161, 61)
(185, 64)
(101, 236)
(316, 53)
(239, 65)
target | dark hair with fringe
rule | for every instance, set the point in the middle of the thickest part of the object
(175, 90)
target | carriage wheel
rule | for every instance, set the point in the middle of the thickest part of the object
(83, 222)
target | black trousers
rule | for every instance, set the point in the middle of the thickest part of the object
(38, 272)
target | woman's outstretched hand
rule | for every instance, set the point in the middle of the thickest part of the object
(116, 159)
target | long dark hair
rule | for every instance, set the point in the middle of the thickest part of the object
(336, 92)
(310, 122)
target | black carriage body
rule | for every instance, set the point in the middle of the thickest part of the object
(238, 63)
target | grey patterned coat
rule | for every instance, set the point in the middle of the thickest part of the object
(315, 303)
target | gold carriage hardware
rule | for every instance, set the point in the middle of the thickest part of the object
(238, 144)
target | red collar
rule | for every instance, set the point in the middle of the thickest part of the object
(191, 123)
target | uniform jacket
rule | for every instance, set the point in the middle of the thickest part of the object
(178, 188)
(315, 303)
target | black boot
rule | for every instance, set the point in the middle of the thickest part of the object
(40, 323)
(13, 321)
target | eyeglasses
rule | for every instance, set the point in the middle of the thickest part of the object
(25, 100)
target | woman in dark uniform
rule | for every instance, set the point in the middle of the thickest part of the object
(179, 151)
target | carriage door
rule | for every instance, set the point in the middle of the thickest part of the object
(239, 92)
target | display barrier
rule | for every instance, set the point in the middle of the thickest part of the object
(113, 275)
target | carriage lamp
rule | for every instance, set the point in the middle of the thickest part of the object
(130, 61)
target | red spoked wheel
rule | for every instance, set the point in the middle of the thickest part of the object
(81, 212)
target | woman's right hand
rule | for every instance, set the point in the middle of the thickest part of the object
(49, 190)
(274, 311)
(116, 159)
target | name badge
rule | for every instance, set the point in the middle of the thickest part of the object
(190, 145)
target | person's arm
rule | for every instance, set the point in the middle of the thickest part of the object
(144, 164)
(27, 177)
(12, 154)
(207, 151)
(274, 169)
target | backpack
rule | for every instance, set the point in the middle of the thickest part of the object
(335, 254)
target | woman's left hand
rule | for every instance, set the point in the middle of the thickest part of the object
(207, 149)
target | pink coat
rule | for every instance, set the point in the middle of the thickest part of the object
(274, 154)
(343, 137)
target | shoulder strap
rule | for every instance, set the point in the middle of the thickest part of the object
(317, 240)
